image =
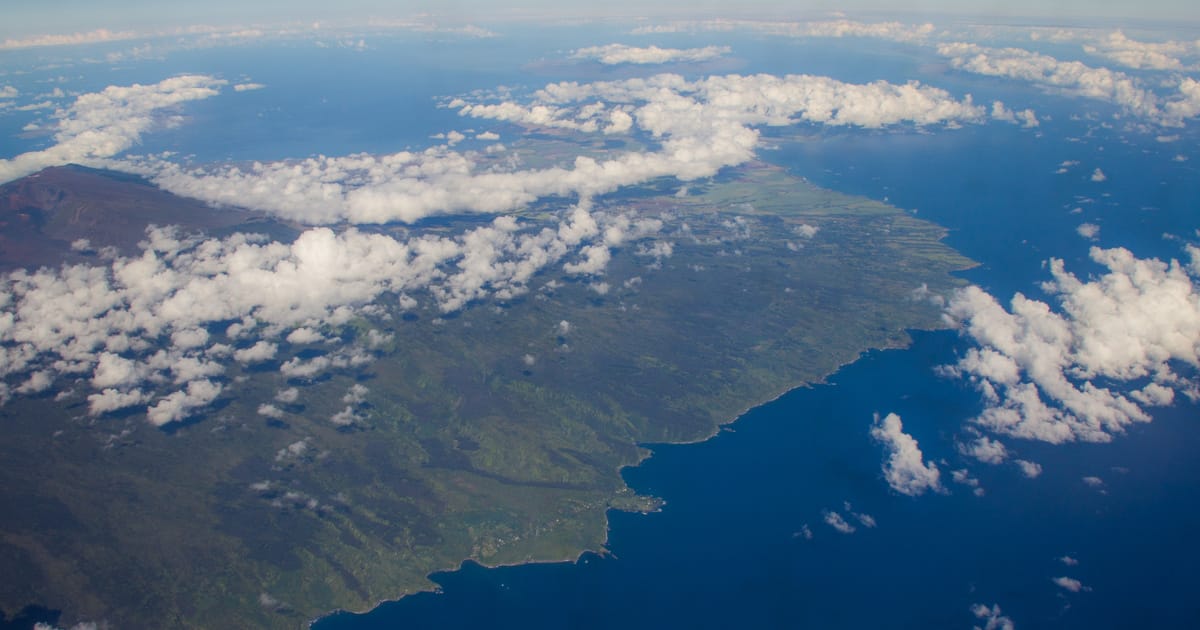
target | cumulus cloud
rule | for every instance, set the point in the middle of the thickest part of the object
(248, 87)
(1037, 369)
(37, 382)
(346, 417)
(614, 54)
(991, 617)
(1032, 470)
(805, 230)
(1070, 584)
(259, 352)
(864, 519)
(986, 450)
(963, 476)
(837, 522)
(343, 358)
(292, 451)
(1099, 176)
(181, 404)
(904, 469)
(305, 335)
(104, 124)
(1088, 230)
(356, 395)
(109, 400)
(1026, 117)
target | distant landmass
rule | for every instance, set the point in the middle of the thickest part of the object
(495, 434)
(43, 215)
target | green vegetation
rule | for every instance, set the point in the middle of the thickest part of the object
(466, 449)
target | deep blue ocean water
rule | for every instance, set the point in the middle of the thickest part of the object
(725, 551)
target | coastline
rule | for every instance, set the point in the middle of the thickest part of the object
(648, 452)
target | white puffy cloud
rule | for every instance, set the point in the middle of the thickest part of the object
(259, 352)
(376, 340)
(248, 87)
(1032, 470)
(346, 417)
(292, 451)
(104, 124)
(1088, 230)
(356, 394)
(1025, 117)
(837, 522)
(112, 399)
(1070, 584)
(8, 91)
(288, 396)
(904, 469)
(1069, 561)
(37, 382)
(188, 338)
(1099, 176)
(113, 370)
(963, 476)
(614, 54)
(991, 617)
(181, 404)
(986, 450)
(1037, 368)
(305, 335)
(864, 519)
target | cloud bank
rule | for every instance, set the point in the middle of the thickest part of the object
(106, 123)
(154, 328)
(1077, 78)
(894, 31)
(701, 127)
(615, 54)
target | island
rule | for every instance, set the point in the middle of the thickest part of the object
(496, 432)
